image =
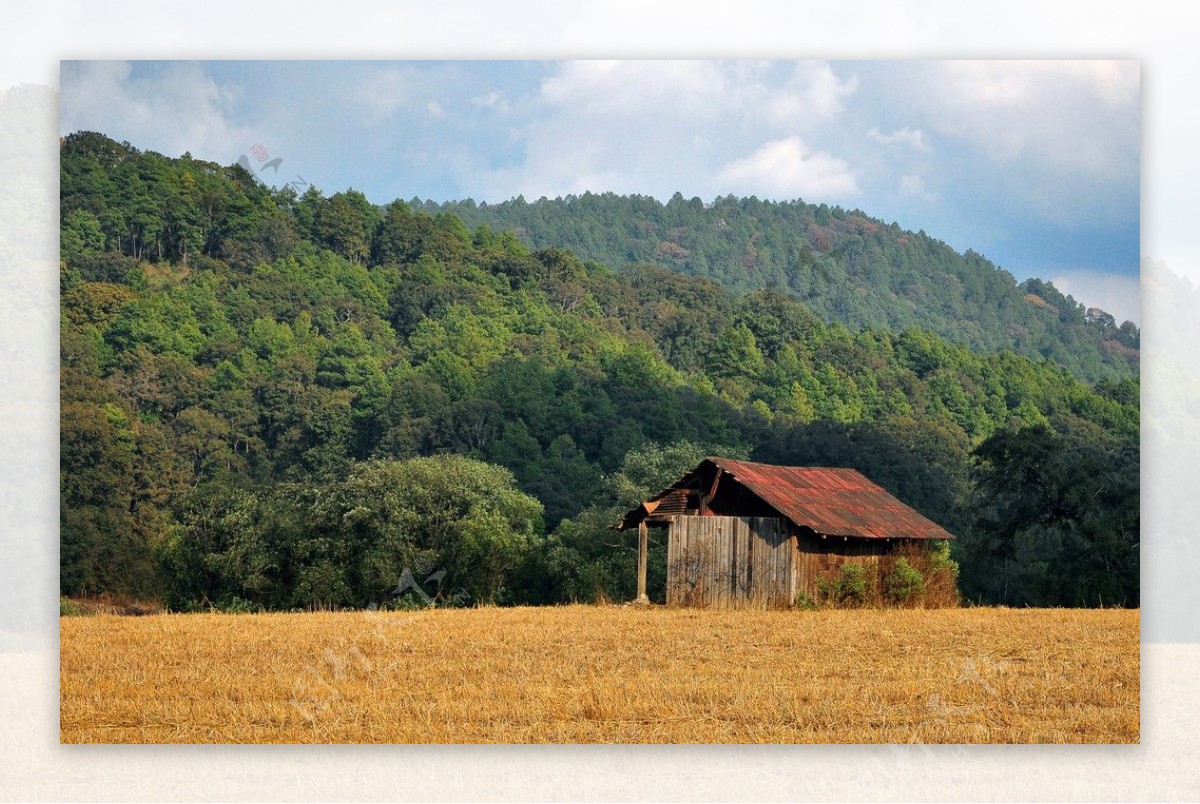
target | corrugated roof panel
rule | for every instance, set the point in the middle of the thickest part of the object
(836, 502)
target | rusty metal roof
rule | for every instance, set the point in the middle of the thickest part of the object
(836, 502)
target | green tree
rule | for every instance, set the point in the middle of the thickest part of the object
(1058, 518)
(81, 235)
(459, 515)
(346, 224)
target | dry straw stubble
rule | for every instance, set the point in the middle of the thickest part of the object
(604, 674)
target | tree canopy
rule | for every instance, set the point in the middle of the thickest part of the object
(256, 382)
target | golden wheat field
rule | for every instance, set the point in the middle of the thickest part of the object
(582, 674)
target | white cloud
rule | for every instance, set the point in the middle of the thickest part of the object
(496, 101)
(787, 168)
(623, 87)
(912, 185)
(914, 138)
(1118, 294)
(173, 108)
(382, 94)
(655, 127)
(1116, 83)
(811, 92)
(1060, 138)
(1081, 115)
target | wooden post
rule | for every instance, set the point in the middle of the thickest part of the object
(643, 543)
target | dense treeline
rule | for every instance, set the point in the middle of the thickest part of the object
(287, 400)
(845, 266)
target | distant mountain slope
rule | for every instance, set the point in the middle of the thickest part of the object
(843, 265)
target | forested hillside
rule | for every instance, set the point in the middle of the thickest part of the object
(283, 400)
(845, 266)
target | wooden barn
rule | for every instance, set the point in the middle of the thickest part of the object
(753, 534)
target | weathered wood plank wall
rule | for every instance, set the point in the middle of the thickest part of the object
(725, 562)
(759, 562)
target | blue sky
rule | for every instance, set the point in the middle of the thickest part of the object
(1035, 164)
